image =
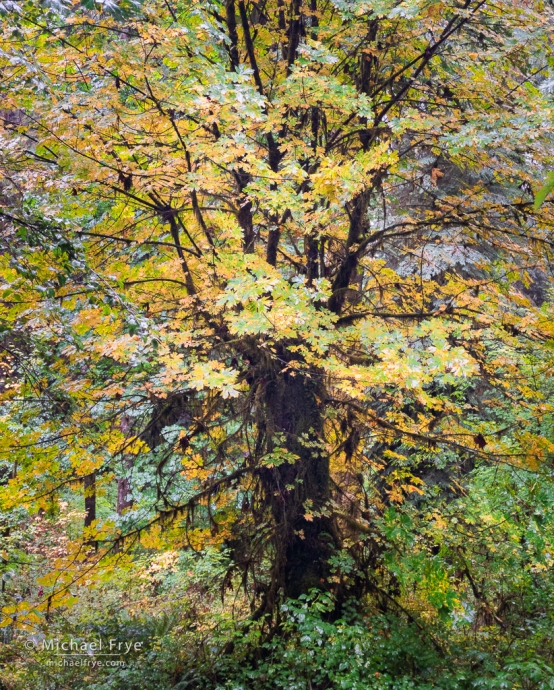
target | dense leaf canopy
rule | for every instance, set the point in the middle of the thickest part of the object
(276, 318)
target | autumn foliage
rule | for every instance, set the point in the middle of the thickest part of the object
(276, 330)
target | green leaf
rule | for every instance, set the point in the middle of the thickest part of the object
(545, 190)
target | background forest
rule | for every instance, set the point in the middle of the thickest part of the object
(276, 331)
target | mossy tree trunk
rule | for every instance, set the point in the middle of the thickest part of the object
(293, 404)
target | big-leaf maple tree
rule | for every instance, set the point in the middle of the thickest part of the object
(272, 270)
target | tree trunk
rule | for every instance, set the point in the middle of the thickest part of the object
(297, 491)
(123, 490)
(124, 487)
(89, 485)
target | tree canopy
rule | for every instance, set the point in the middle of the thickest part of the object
(276, 330)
